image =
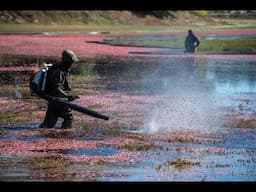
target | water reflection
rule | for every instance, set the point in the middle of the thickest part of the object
(148, 77)
(228, 82)
(231, 83)
(234, 83)
(133, 40)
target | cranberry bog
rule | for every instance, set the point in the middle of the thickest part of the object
(172, 117)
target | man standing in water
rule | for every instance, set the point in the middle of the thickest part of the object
(57, 85)
(191, 42)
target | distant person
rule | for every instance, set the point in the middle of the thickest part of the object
(191, 42)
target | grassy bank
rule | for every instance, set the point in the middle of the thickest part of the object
(118, 28)
(245, 45)
(216, 45)
(33, 28)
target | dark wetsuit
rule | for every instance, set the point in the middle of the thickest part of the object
(57, 77)
(191, 43)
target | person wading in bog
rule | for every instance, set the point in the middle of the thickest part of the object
(57, 86)
(191, 42)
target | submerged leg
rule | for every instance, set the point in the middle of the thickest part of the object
(50, 117)
(68, 118)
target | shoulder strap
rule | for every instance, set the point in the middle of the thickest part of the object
(50, 71)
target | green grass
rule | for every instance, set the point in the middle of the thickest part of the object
(202, 13)
(175, 43)
(76, 28)
(3, 132)
(238, 45)
(247, 124)
(233, 27)
(137, 147)
(6, 116)
(102, 25)
(245, 45)
(182, 163)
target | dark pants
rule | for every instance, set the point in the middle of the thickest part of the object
(54, 111)
(190, 49)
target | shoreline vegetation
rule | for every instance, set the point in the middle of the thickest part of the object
(125, 21)
(113, 29)
(115, 24)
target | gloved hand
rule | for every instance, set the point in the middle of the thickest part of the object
(72, 97)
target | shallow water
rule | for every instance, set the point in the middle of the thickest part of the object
(169, 121)
(133, 40)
